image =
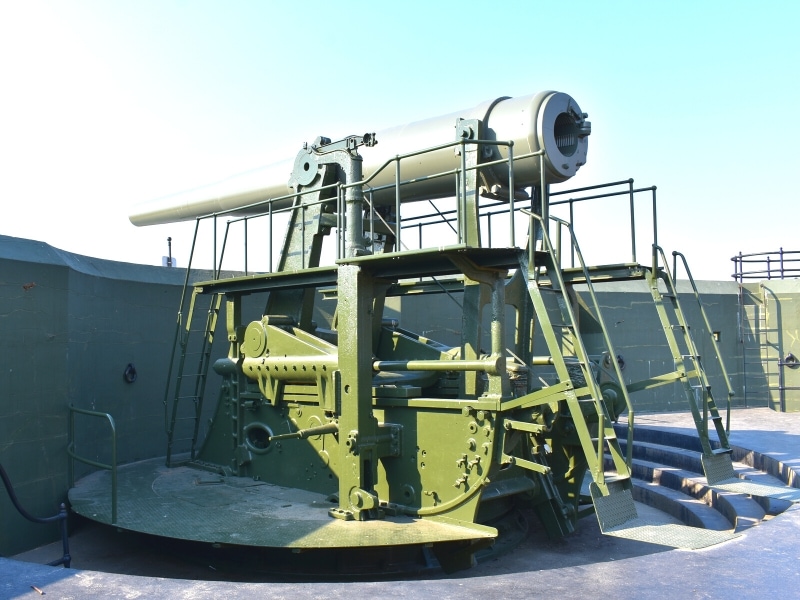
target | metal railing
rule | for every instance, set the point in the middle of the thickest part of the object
(781, 264)
(268, 208)
(74, 456)
(500, 208)
(670, 278)
(460, 191)
(60, 518)
(271, 208)
(630, 192)
(555, 252)
(711, 337)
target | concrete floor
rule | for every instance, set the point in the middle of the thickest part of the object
(763, 562)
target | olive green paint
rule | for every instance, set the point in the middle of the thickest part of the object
(70, 325)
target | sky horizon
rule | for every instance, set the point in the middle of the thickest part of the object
(111, 104)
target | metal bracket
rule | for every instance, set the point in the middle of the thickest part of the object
(349, 144)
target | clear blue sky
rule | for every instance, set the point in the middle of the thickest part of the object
(106, 104)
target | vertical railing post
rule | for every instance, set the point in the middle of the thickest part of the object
(572, 220)
(269, 212)
(739, 269)
(218, 272)
(245, 246)
(531, 240)
(462, 195)
(340, 223)
(113, 473)
(558, 248)
(544, 199)
(372, 220)
(397, 203)
(633, 221)
(303, 235)
(655, 219)
(73, 455)
(214, 263)
(512, 232)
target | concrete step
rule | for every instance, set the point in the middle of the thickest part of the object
(771, 506)
(668, 475)
(686, 509)
(682, 470)
(764, 463)
(737, 510)
(664, 437)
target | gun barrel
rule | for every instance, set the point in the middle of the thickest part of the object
(549, 121)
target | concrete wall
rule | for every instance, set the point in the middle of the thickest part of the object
(637, 335)
(69, 326)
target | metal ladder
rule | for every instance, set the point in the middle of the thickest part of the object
(611, 491)
(189, 386)
(689, 371)
(760, 350)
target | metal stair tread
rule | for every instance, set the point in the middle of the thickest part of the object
(688, 464)
(741, 486)
(617, 520)
(771, 505)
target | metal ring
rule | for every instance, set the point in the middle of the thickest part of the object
(130, 374)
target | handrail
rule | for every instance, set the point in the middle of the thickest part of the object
(718, 355)
(443, 217)
(265, 208)
(778, 264)
(74, 456)
(460, 171)
(630, 192)
(448, 216)
(61, 517)
(688, 340)
(606, 339)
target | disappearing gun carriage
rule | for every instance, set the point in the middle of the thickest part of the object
(346, 430)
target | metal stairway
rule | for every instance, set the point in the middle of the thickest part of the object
(689, 372)
(184, 425)
(611, 491)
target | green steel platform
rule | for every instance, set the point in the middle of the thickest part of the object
(191, 504)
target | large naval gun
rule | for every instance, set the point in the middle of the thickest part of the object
(355, 434)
